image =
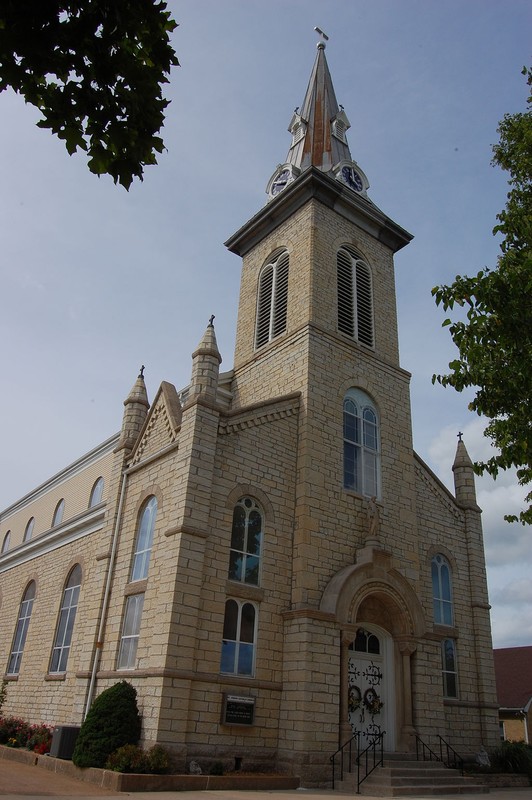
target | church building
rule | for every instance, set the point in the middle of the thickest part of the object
(262, 554)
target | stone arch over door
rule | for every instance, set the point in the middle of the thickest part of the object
(372, 595)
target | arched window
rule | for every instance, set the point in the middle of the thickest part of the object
(143, 543)
(96, 493)
(246, 536)
(238, 647)
(130, 631)
(361, 444)
(449, 672)
(355, 297)
(19, 640)
(272, 300)
(366, 642)
(58, 513)
(29, 529)
(442, 590)
(6, 542)
(65, 623)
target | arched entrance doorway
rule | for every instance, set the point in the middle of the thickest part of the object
(380, 618)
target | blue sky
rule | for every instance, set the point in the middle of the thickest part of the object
(97, 281)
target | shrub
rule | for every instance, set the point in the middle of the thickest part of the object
(15, 732)
(217, 768)
(131, 758)
(113, 721)
(3, 694)
(39, 739)
(513, 757)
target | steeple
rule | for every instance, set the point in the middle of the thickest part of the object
(319, 135)
(464, 477)
(136, 408)
(206, 360)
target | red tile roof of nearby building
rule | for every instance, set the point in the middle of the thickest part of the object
(513, 674)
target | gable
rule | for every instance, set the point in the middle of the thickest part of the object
(162, 424)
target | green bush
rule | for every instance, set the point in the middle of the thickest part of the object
(15, 732)
(131, 758)
(513, 757)
(113, 721)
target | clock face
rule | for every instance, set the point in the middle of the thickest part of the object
(352, 178)
(280, 182)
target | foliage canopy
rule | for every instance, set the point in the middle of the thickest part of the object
(113, 721)
(95, 69)
(495, 340)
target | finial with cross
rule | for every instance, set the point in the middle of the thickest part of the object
(141, 373)
(459, 434)
(211, 321)
(324, 37)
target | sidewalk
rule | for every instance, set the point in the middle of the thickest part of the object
(23, 780)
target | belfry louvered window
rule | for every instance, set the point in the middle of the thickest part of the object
(272, 300)
(355, 297)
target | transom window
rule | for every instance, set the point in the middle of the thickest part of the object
(29, 529)
(365, 642)
(143, 544)
(96, 493)
(272, 300)
(442, 591)
(130, 632)
(449, 673)
(58, 513)
(246, 536)
(238, 646)
(355, 297)
(361, 444)
(19, 640)
(65, 624)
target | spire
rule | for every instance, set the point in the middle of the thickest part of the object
(318, 131)
(206, 360)
(136, 408)
(464, 477)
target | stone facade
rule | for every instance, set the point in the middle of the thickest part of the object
(337, 567)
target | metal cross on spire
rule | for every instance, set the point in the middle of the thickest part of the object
(324, 37)
(459, 434)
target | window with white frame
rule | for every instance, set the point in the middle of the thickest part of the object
(65, 623)
(246, 539)
(96, 492)
(58, 513)
(361, 444)
(127, 653)
(239, 634)
(19, 640)
(442, 590)
(6, 542)
(272, 304)
(28, 532)
(144, 540)
(355, 297)
(449, 671)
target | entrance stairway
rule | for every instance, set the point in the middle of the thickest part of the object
(402, 776)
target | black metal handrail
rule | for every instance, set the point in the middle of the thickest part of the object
(377, 762)
(364, 763)
(452, 759)
(342, 752)
(448, 755)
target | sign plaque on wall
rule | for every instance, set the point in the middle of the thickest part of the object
(238, 710)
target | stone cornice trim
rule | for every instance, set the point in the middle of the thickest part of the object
(75, 528)
(187, 530)
(259, 413)
(189, 675)
(73, 469)
(309, 613)
(154, 457)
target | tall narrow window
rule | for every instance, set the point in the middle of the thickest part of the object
(238, 647)
(65, 624)
(143, 544)
(29, 530)
(355, 297)
(19, 640)
(361, 444)
(442, 599)
(449, 674)
(272, 300)
(244, 559)
(58, 513)
(130, 632)
(96, 493)
(6, 542)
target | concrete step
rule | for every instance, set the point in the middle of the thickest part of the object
(410, 778)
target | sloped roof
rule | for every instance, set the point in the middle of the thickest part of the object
(513, 675)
